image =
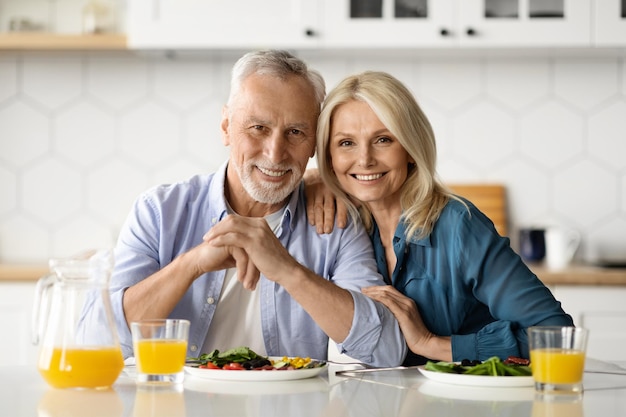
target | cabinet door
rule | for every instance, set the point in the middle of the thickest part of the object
(525, 23)
(602, 311)
(610, 23)
(247, 24)
(16, 302)
(387, 23)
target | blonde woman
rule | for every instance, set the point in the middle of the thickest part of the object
(455, 285)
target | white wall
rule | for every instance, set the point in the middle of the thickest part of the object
(81, 134)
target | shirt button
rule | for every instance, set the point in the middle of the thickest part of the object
(194, 348)
(214, 220)
(210, 300)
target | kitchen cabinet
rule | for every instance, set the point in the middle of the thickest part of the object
(344, 24)
(16, 301)
(602, 311)
(320, 24)
(240, 24)
(341, 24)
(456, 23)
(610, 22)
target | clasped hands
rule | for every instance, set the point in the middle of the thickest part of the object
(248, 244)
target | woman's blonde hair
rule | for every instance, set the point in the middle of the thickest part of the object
(422, 196)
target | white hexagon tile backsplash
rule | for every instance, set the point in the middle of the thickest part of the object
(82, 134)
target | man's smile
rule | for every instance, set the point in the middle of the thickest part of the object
(272, 173)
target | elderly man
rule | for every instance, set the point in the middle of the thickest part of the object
(233, 251)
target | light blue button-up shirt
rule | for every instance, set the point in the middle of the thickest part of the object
(171, 219)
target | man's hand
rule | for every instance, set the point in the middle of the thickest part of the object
(254, 248)
(208, 257)
(321, 204)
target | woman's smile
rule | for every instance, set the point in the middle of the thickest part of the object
(367, 177)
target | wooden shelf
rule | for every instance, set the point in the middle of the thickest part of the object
(61, 42)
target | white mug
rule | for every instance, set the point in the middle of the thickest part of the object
(561, 244)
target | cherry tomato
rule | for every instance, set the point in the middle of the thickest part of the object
(234, 366)
(209, 365)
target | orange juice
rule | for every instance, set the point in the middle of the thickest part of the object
(160, 356)
(557, 366)
(85, 367)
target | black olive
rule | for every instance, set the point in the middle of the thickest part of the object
(467, 362)
(256, 363)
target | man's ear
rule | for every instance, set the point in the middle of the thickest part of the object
(224, 126)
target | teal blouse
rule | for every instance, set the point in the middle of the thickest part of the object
(469, 284)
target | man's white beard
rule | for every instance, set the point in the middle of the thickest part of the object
(268, 192)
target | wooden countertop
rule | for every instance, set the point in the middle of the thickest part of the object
(574, 275)
(22, 272)
(580, 275)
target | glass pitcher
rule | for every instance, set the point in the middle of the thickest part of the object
(79, 347)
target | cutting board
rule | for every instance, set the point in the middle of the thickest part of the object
(489, 198)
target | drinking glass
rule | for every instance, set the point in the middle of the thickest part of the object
(160, 347)
(557, 358)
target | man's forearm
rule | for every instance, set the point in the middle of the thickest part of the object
(157, 295)
(331, 307)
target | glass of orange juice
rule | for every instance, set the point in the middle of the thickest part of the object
(557, 358)
(160, 347)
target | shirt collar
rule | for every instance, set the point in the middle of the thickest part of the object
(296, 202)
(219, 209)
(401, 235)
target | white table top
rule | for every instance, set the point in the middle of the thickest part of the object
(23, 393)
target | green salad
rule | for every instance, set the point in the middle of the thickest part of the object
(491, 367)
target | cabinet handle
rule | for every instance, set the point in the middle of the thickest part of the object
(309, 32)
(444, 32)
(470, 32)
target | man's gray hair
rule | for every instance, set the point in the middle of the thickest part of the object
(277, 63)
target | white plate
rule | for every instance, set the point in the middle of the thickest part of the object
(255, 388)
(261, 375)
(478, 380)
(474, 393)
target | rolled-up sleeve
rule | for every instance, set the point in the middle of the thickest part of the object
(375, 335)
(495, 339)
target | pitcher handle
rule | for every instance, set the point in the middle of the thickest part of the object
(40, 307)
